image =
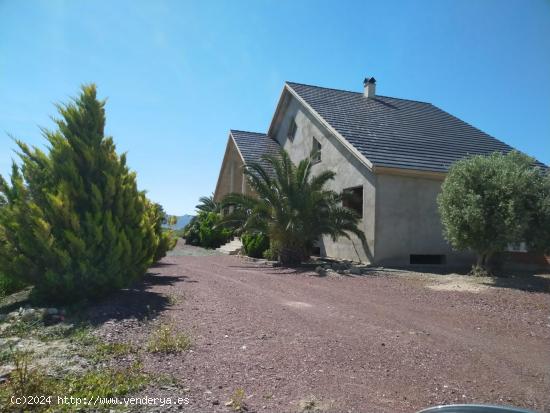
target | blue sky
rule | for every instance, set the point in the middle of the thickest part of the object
(179, 74)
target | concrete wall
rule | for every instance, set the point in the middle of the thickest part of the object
(400, 215)
(350, 172)
(407, 221)
(231, 173)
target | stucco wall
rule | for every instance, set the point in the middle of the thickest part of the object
(350, 172)
(408, 221)
(400, 215)
(231, 173)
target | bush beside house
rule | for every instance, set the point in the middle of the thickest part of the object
(488, 203)
(211, 233)
(191, 232)
(206, 228)
(255, 244)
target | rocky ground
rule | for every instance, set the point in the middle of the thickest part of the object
(333, 337)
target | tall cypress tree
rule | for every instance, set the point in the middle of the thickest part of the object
(74, 223)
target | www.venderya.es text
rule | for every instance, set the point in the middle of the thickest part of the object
(98, 401)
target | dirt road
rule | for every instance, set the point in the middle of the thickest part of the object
(380, 343)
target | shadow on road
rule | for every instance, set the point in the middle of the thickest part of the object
(530, 282)
(163, 264)
(137, 302)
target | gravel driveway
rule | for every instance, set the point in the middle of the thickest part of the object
(381, 343)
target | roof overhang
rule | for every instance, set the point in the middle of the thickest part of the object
(411, 173)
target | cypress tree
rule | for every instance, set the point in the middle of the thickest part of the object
(166, 239)
(74, 223)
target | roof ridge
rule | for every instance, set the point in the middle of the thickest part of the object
(355, 92)
(247, 131)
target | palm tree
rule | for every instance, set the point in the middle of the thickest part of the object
(207, 204)
(291, 207)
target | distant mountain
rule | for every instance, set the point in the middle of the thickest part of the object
(182, 221)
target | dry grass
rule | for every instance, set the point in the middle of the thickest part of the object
(238, 400)
(166, 340)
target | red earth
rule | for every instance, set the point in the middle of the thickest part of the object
(293, 341)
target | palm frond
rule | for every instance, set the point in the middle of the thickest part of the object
(207, 204)
(291, 206)
(319, 181)
(239, 200)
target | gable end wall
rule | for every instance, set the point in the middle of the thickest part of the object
(350, 172)
(231, 172)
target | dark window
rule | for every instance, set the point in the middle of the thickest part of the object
(316, 251)
(353, 199)
(427, 259)
(292, 130)
(316, 151)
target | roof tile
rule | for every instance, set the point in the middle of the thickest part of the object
(253, 146)
(398, 133)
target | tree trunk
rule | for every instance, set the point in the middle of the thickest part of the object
(481, 260)
(482, 266)
(290, 256)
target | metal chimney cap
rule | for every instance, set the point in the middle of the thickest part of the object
(368, 80)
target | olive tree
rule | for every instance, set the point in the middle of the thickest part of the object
(488, 202)
(538, 236)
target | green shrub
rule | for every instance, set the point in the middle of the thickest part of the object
(73, 222)
(271, 254)
(9, 285)
(255, 244)
(538, 236)
(211, 234)
(191, 232)
(166, 240)
(489, 202)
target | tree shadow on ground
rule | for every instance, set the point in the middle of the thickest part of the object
(517, 280)
(522, 281)
(15, 301)
(163, 264)
(275, 270)
(530, 282)
(426, 269)
(137, 302)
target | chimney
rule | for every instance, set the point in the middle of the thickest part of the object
(370, 87)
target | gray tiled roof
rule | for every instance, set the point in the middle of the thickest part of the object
(253, 146)
(398, 133)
